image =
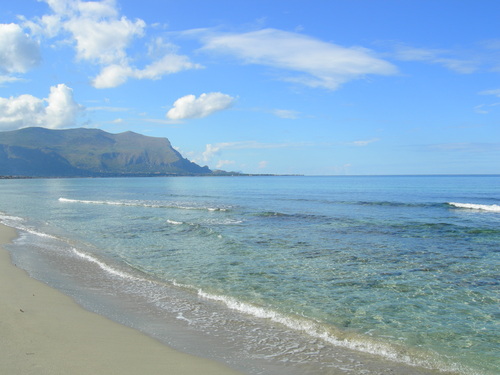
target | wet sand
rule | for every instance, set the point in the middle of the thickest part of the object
(43, 331)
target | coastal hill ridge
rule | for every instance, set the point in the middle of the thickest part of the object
(83, 152)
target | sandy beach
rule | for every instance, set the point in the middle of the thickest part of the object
(42, 331)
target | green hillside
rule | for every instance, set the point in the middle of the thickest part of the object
(41, 152)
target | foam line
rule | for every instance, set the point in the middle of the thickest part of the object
(481, 207)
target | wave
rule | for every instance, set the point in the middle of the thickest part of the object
(332, 335)
(173, 222)
(480, 207)
(37, 233)
(145, 204)
(223, 221)
(110, 270)
(19, 224)
(9, 218)
(396, 204)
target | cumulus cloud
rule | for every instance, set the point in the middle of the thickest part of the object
(18, 53)
(191, 107)
(102, 36)
(112, 76)
(96, 30)
(58, 110)
(318, 63)
(104, 41)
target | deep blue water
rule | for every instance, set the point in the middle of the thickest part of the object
(317, 274)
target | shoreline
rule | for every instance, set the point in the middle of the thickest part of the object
(44, 331)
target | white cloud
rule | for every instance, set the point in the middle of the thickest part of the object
(495, 92)
(96, 29)
(47, 26)
(59, 110)
(222, 163)
(62, 109)
(168, 64)
(318, 63)
(5, 79)
(18, 53)
(191, 107)
(485, 108)
(116, 75)
(469, 147)
(212, 150)
(105, 8)
(104, 41)
(108, 109)
(286, 114)
(435, 56)
(263, 164)
(364, 143)
(102, 37)
(112, 76)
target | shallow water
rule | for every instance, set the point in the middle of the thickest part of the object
(279, 274)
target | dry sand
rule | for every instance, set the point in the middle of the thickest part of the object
(43, 331)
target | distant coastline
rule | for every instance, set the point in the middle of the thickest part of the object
(225, 174)
(239, 174)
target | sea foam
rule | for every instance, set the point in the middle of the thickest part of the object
(319, 331)
(481, 207)
(104, 266)
(146, 204)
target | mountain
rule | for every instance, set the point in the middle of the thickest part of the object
(41, 152)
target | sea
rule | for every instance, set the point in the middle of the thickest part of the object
(278, 274)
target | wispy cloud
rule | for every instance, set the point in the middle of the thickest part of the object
(487, 108)
(212, 150)
(117, 74)
(467, 147)
(495, 92)
(364, 142)
(314, 63)
(286, 114)
(263, 164)
(108, 109)
(222, 163)
(445, 58)
(191, 107)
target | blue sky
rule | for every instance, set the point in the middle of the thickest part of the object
(328, 87)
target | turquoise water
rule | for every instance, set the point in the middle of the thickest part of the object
(314, 274)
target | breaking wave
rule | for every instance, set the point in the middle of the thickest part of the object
(480, 207)
(104, 266)
(333, 336)
(148, 204)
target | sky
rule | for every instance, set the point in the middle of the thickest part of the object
(316, 87)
